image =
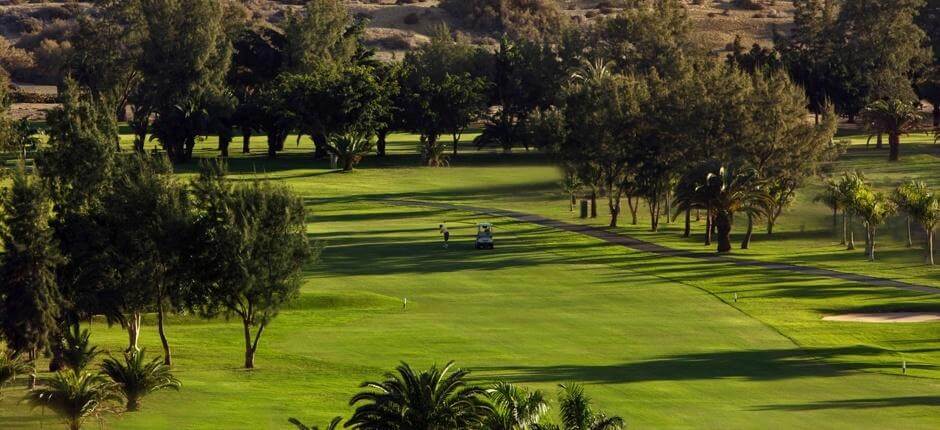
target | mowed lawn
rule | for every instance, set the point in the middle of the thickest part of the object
(657, 340)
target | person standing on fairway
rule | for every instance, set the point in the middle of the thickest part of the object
(445, 233)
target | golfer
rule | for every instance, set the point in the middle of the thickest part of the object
(445, 233)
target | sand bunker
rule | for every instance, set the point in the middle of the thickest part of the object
(887, 317)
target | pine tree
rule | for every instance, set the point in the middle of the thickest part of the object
(29, 295)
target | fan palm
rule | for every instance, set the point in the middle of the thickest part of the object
(75, 397)
(11, 367)
(136, 378)
(77, 352)
(514, 407)
(350, 147)
(577, 414)
(894, 118)
(733, 190)
(435, 399)
(301, 426)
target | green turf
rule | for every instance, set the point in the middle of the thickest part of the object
(657, 340)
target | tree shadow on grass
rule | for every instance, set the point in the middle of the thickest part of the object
(754, 365)
(887, 402)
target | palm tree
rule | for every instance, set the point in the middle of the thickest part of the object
(349, 148)
(922, 205)
(301, 426)
(77, 352)
(894, 118)
(689, 195)
(733, 190)
(76, 397)
(435, 399)
(10, 367)
(136, 378)
(850, 184)
(577, 414)
(514, 407)
(874, 208)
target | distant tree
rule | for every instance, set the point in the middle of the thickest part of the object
(391, 118)
(831, 198)
(182, 68)
(29, 293)
(135, 378)
(893, 117)
(850, 185)
(929, 87)
(646, 35)
(809, 49)
(514, 407)
(76, 397)
(272, 114)
(253, 244)
(571, 185)
(757, 59)
(321, 34)
(921, 204)
(433, 399)
(577, 413)
(258, 58)
(521, 19)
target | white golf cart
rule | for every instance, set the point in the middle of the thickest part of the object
(484, 236)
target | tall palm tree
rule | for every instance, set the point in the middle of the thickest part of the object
(689, 195)
(917, 200)
(136, 378)
(301, 426)
(75, 397)
(731, 190)
(435, 399)
(894, 118)
(850, 184)
(874, 208)
(77, 351)
(514, 407)
(577, 414)
(10, 367)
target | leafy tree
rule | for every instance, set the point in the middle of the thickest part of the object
(29, 294)
(921, 204)
(831, 198)
(136, 378)
(322, 34)
(732, 190)
(76, 397)
(258, 58)
(757, 59)
(647, 35)
(690, 194)
(893, 117)
(929, 88)
(182, 67)
(577, 413)
(253, 244)
(571, 185)
(808, 50)
(514, 407)
(521, 19)
(438, 398)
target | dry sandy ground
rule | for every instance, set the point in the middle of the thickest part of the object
(887, 317)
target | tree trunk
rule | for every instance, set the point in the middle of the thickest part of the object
(246, 140)
(348, 162)
(708, 225)
(593, 204)
(167, 357)
(249, 352)
(31, 357)
(871, 244)
(879, 141)
(319, 145)
(835, 219)
(746, 243)
(133, 332)
(654, 207)
(224, 142)
(456, 138)
(845, 227)
(930, 247)
(668, 207)
(571, 203)
(910, 240)
(936, 114)
(851, 239)
(614, 203)
(634, 204)
(723, 222)
(380, 144)
(133, 404)
(688, 223)
(894, 142)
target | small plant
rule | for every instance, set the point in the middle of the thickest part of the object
(11, 367)
(75, 397)
(77, 351)
(136, 378)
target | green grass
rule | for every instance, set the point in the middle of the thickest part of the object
(657, 340)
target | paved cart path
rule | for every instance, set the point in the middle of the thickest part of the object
(644, 246)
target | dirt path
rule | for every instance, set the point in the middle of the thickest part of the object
(644, 246)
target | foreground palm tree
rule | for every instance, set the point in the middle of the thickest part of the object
(916, 199)
(435, 399)
(514, 407)
(894, 118)
(301, 426)
(11, 367)
(75, 397)
(874, 208)
(136, 378)
(577, 414)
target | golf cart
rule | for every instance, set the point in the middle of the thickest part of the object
(484, 236)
